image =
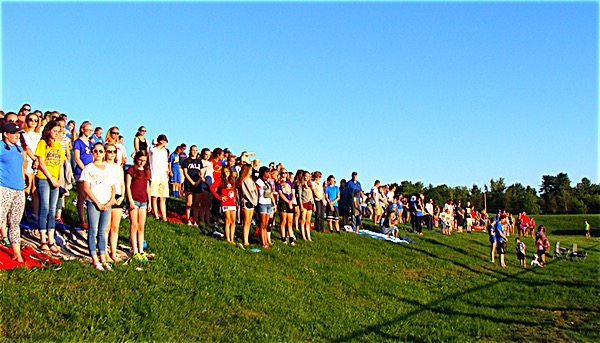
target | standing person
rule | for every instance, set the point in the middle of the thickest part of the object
(377, 210)
(192, 185)
(501, 239)
(206, 177)
(113, 137)
(217, 155)
(117, 206)
(224, 191)
(265, 203)
(159, 184)
(345, 202)
(356, 210)
(23, 112)
(138, 190)
(182, 157)
(587, 229)
(32, 136)
(82, 155)
(429, 214)
(99, 185)
(174, 168)
(353, 185)
(50, 157)
(491, 229)
(97, 136)
(249, 199)
(139, 141)
(296, 199)
(306, 205)
(12, 186)
(332, 196)
(520, 246)
(285, 206)
(469, 216)
(319, 196)
(419, 208)
(460, 216)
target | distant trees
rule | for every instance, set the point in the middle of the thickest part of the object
(556, 196)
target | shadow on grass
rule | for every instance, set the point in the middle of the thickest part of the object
(437, 306)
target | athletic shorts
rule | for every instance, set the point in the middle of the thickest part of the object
(284, 207)
(540, 253)
(501, 248)
(333, 213)
(176, 178)
(520, 256)
(307, 206)
(228, 208)
(159, 188)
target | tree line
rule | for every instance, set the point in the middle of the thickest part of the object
(555, 196)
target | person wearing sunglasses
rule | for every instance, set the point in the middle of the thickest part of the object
(159, 185)
(113, 137)
(99, 186)
(138, 190)
(12, 186)
(139, 141)
(32, 136)
(50, 157)
(117, 207)
(82, 154)
(23, 112)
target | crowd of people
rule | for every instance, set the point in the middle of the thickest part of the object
(44, 154)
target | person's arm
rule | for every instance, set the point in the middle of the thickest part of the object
(120, 200)
(77, 157)
(136, 144)
(128, 190)
(111, 201)
(42, 166)
(213, 189)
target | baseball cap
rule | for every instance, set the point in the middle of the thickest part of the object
(11, 128)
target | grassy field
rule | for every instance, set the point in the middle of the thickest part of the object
(339, 288)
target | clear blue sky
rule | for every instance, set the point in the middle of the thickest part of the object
(452, 93)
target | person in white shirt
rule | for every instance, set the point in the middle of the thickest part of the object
(159, 184)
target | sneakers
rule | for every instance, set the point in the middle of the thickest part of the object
(266, 247)
(190, 223)
(107, 267)
(98, 266)
(75, 202)
(6, 242)
(292, 241)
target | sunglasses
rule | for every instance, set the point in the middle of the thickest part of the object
(140, 160)
(111, 151)
(142, 130)
(33, 120)
(98, 151)
(12, 121)
(114, 133)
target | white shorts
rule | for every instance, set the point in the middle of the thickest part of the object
(159, 188)
(228, 208)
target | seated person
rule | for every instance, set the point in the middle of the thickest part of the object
(389, 225)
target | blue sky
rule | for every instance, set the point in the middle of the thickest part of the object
(452, 93)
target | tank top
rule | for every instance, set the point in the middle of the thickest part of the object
(143, 144)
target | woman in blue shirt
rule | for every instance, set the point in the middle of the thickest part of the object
(12, 185)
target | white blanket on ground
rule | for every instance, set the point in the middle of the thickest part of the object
(382, 236)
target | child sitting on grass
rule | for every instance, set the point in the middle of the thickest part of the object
(520, 246)
(535, 262)
(388, 227)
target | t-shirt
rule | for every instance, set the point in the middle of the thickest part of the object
(97, 139)
(353, 185)
(139, 186)
(117, 172)
(31, 138)
(193, 166)
(217, 168)
(520, 247)
(499, 230)
(174, 160)
(101, 181)
(317, 191)
(264, 192)
(53, 156)
(332, 192)
(207, 171)
(182, 157)
(226, 191)
(159, 164)
(286, 189)
(85, 153)
(11, 167)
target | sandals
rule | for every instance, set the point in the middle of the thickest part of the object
(54, 248)
(45, 250)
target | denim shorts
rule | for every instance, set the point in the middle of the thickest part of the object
(138, 204)
(265, 209)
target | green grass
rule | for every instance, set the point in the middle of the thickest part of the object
(339, 288)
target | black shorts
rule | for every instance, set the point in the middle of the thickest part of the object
(333, 213)
(247, 205)
(215, 209)
(189, 188)
(114, 206)
(501, 248)
(284, 207)
(520, 256)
